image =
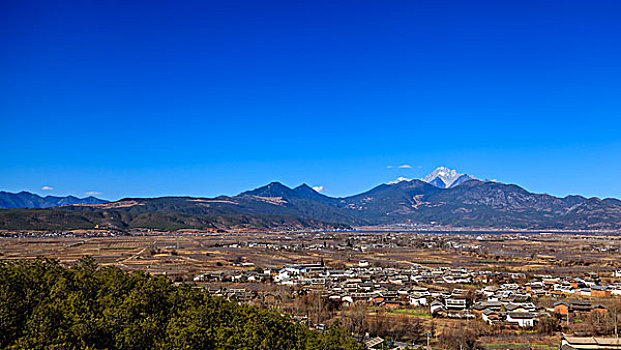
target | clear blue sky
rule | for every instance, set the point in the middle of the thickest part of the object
(131, 98)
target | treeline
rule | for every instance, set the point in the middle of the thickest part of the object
(44, 305)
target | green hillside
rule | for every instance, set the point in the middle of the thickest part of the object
(46, 306)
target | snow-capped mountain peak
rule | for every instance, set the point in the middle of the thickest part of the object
(444, 177)
(399, 179)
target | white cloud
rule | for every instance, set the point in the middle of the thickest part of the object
(47, 188)
(402, 166)
(318, 188)
(92, 193)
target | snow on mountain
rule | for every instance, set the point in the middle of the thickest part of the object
(399, 179)
(444, 177)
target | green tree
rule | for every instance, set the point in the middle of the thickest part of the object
(46, 306)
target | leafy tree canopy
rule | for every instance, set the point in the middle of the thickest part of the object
(44, 305)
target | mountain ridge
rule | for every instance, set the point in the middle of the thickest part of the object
(473, 203)
(25, 199)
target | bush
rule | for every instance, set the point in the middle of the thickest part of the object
(44, 305)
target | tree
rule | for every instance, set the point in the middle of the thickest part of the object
(355, 319)
(548, 325)
(614, 313)
(600, 323)
(412, 331)
(43, 305)
(380, 324)
(459, 339)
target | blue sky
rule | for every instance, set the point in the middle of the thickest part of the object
(205, 98)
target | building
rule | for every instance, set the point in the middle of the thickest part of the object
(455, 304)
(561, 308)
(417, 300)
(492, 317)
(598, 291)
(521, 319)
(374, 343)
(576, 307)
(590, 343)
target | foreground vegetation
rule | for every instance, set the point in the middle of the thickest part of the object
(44, 305)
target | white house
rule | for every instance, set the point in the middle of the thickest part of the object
(418, 300)
(455, 304)
(522, 319)
(436, 306)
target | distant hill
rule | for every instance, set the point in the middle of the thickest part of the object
(472, 203)
(30, 200)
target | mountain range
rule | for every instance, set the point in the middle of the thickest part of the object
(30, 200)
(444, 198)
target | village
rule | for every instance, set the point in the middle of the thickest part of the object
(586, 303)
(400, 289)
(503, 300)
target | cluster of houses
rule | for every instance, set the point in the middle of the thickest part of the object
(506, 305)
(499, 298)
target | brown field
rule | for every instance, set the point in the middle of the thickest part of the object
(185, 254)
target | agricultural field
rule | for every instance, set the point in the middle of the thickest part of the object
(188, 254)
